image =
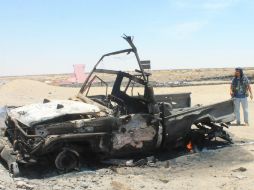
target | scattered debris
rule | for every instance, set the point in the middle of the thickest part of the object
(164, 180)
(241, 169)
(149, 161)
(24, 185)
(118, 162)
(167, 165)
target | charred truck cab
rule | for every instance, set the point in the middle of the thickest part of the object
(113, 124)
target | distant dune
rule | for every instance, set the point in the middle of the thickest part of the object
(157, 75)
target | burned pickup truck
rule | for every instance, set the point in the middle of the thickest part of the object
(127, 118)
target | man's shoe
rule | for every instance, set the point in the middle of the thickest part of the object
(247, 124)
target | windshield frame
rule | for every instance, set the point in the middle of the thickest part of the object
(144, 76)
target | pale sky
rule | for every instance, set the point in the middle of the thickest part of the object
(49, 36)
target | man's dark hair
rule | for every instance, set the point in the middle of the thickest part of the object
(240, 70)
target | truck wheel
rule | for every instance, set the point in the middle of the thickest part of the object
(67, 160)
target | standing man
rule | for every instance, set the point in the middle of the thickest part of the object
(240, 90)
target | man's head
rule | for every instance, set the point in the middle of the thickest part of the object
(238, 72)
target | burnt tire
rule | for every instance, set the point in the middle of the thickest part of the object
(67, 160)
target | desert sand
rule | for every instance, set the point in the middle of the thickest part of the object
(23, 91)
(213, 169)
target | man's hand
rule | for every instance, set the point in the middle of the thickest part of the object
(249, 88)
(231, 94)
(231, 91)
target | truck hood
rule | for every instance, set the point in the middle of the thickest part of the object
(38, 113)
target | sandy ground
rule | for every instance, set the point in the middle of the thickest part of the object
(22, 91)
(213, 169)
